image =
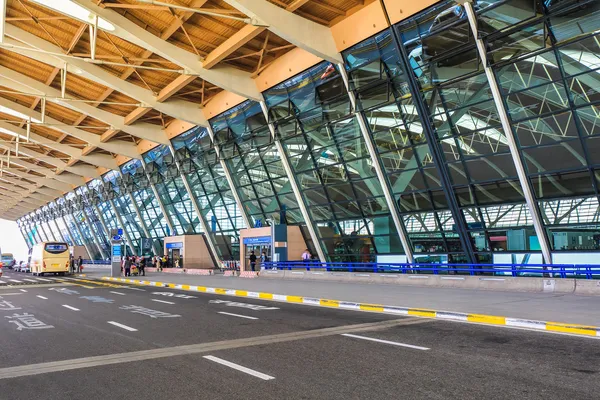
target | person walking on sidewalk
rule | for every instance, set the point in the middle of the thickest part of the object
(79, 264)
(306, 257)
(181, 262)
(142, 266)
(128, 266)
(252, 261)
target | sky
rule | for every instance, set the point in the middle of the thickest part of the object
(11, 240)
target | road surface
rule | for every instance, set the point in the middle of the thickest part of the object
(76, 338)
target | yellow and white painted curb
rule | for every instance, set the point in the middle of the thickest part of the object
(574, 329)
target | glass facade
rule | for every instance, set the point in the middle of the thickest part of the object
(420, 104)
(164, 174)
(199, 162)
(135, 182)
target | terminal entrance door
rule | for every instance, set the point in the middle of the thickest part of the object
(258, 250)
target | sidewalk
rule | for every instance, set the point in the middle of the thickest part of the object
(568, 308)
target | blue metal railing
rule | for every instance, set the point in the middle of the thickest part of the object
(587, 271)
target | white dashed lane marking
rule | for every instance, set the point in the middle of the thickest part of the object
(119, 293)
(15, 281)
(236, 315)
(70, 308)
(163, 301)
(238, 367)
(23, 290)
(42, 297)
(410, 346)
(30, 280)
(127, 328)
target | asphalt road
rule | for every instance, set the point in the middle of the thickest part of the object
(80, 340)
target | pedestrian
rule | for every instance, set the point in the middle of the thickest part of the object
(181, 262)
(306, 256)
(143, 266)
(263, 259)
(160, 263)
(127, 266)
(79, 264)
(252, 261)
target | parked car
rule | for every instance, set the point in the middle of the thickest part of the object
(25, 267)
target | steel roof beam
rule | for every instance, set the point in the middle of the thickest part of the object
(308, 35)
(229, 78)
(179, 109)
(116, 147)
(79, 172)
(18, 81)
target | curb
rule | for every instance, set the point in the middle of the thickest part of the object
(575, 329)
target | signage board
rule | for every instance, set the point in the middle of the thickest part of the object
(257, 240)
(176, 245)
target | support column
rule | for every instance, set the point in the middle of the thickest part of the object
(98, 233)
(39, 236)
(51, 231)
(142, 222)
(139, 215)
(379, 170)
(45, 233)
(295, 188)
(103, 223)
(127, 237)
(234, 192)
(59, 231)
(186, 183)
(24, 237)
(94, 238)
(436, 151)
(532, 205)
(80, 235)
(158, 199)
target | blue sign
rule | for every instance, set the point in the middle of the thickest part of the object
(258, 240)
(177, 245)
(116, 238)
(120, 232)
(116, 251)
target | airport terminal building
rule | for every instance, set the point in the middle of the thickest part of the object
(398, 131)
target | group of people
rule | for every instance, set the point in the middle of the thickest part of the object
(165, 262)
(263, 259)
(157, 262)
(129, 262)
(77, 265)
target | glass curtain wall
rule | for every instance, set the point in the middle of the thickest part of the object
(245, 144)
(77, 218)
(210, 188)
(165, 176)
(74, 239)
(100, 198)
(444, 62)
(545, 57)
(135, 179)
(325, 146)
(88, 199)
(113, 188)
